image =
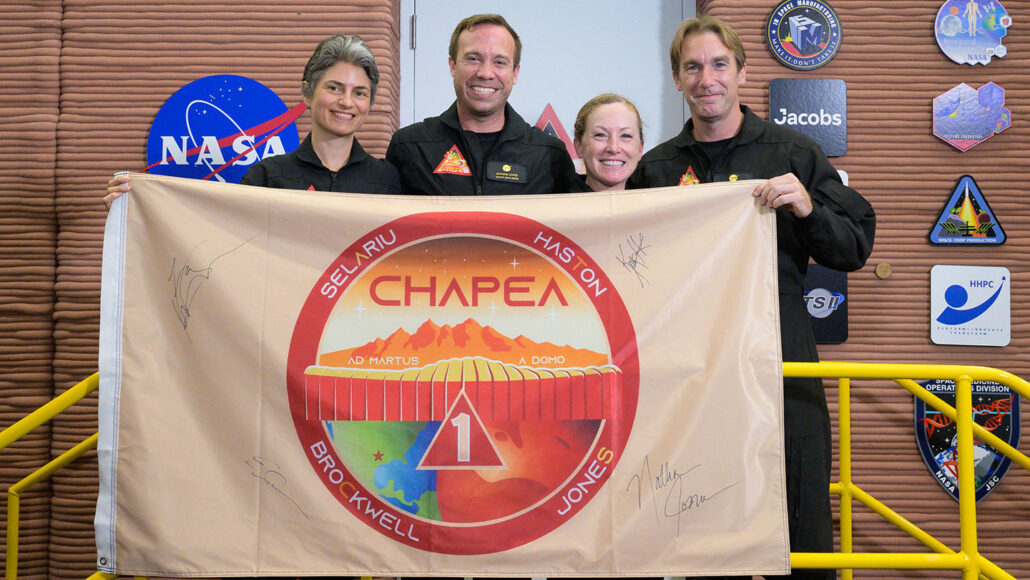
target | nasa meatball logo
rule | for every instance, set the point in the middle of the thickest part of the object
(463, 382)
(217, 127)
(803, 34)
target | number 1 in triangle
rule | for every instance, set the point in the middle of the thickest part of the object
(461, 442)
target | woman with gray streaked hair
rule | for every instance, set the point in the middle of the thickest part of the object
(339, 48)
(339, 87)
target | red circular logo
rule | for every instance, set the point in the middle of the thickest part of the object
(463, 382)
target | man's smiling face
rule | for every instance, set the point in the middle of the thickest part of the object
(484, 71)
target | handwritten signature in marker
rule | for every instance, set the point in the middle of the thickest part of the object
(269, 473)
(634, 260)
(186, 281)
(668, 481)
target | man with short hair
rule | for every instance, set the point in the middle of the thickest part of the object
(817, 217)
(480, 145)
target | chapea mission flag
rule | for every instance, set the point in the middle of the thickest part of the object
(303, 383)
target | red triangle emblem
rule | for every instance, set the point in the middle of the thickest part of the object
(461, 442)
(550, 123)
(689, 178)
(453, 163)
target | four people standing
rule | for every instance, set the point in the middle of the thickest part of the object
(481, 146)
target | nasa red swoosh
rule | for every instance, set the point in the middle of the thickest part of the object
(277, 123)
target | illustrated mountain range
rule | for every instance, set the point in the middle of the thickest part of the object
(432, 343)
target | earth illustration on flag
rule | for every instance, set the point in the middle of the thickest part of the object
(385, 455)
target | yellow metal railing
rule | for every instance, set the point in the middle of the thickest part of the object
(24, 427)
(968, 560)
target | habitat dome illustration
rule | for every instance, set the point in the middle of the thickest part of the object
(418, 377)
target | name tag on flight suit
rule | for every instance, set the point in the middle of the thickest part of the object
(502, 171)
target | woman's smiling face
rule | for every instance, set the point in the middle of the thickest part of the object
(611, 146)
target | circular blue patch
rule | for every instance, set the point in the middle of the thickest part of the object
(803, 34)
(216, 127)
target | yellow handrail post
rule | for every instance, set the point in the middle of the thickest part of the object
(844, 438)
(966, 479)
(13, 515)
(14, 497)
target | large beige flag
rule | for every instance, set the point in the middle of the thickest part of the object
(327, 384)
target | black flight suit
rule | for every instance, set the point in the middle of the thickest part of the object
(438, 157)
(837, 234)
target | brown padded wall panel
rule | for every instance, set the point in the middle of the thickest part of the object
(120, 60)
(30, 44)
(893, 70)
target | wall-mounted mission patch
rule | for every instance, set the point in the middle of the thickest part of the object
(995, 408)
(964, 117)
(970, 31)
(967, 218)
(803, 34)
